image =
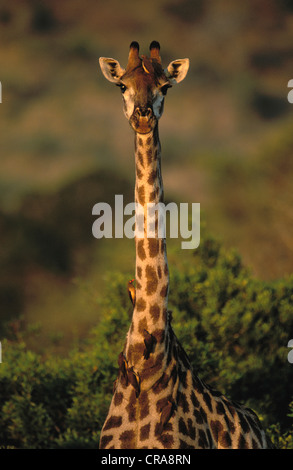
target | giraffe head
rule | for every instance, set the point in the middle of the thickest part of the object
(144, 84)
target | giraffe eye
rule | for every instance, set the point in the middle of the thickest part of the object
(122, 87)
(164, 89)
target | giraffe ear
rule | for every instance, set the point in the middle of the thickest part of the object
(177, 70)
(111, 69)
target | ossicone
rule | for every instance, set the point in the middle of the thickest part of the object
(155, 51)
(133, 58)
(134, 45)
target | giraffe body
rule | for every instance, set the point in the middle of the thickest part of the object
(158, 402)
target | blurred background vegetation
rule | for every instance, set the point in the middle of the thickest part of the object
(227, 143)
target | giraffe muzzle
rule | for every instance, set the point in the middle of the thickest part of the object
(143, 120)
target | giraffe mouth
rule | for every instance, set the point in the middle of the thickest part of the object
(143, 123)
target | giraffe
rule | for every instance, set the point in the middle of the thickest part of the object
(158, 402)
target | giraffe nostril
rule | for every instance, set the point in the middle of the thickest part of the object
(144, 112)
(149, 113)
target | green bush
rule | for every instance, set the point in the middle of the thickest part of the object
(234, 328)
(279, 439)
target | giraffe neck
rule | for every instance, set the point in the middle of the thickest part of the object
(149, 321)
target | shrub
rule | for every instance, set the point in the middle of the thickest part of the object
(234, 328)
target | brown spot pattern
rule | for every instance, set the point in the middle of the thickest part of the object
(152, 195)
(127, 439)
(182, 402)
(140, 158)
(137, 351)
(144, 405)
(242, 444)
(152, 177)
(225, 440)
(118, 398)
(150, 155)
(244, 424)
(152, 280)
(159, 335)
(140, 304)
(230, 425)
(155, 312)
(140, 250)
(220, 409)
(164, 291)
(207, 400)
(184, 445)
(166, 270)
(145, 432)
(166, 440)
(143, 325)
(138, 271)
(161, 384)
(113, 422)
(154, 245)
(131, 407)
(183, 427)
(202, 441)
(141, 195)
(105, 441)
